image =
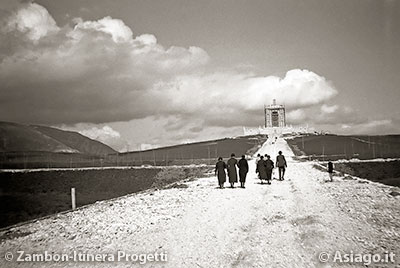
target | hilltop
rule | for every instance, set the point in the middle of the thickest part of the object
(33, 138)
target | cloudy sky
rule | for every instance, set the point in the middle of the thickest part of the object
(149, 73)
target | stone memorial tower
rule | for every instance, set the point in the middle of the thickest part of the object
(274, 115)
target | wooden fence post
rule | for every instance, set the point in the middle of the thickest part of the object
(73, 199)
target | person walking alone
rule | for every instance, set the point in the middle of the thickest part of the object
(232, 173)
(243, 169)
(330, 170)
(281, 164)
(220, 172)
(269, 167)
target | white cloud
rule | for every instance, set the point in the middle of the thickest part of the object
(32, 19)
(233, 99)
(296, 116)
(329, 109)
(114, 27)
(101, 134)
(305, 88)
(152, 132)
(146, 39)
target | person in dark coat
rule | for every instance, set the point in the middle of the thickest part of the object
(220, 172)
(258, 159)
(262, 169)
(269, 166)
(330, 170)
(281, 164)
(243, 169)
(232, 173)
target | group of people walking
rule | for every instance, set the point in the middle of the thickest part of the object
(264, 169)
(230, 166)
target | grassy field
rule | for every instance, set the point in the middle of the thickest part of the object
(334, 147)
(384, 172)
(29, 195)
(194, 153)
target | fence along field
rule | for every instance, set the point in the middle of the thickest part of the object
(333, 147)
(194, 153)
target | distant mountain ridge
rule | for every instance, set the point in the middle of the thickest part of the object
(16, 137)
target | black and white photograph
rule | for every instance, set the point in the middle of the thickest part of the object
(200, 133)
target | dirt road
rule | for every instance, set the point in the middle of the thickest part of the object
(286, 224)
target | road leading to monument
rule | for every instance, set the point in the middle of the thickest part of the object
(286, 224)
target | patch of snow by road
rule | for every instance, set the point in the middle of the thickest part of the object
(356, 160)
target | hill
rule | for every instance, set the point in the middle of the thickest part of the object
(198, 152)
(26, 138)
(76, 141)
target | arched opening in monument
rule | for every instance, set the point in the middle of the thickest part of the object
(275, 119)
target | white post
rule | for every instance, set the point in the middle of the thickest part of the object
(73, 199)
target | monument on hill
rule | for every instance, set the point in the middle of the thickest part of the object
(274, 115)
(275, 123)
